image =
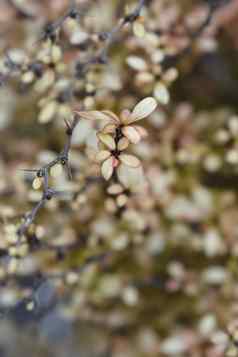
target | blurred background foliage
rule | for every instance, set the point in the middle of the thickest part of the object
(156, 275)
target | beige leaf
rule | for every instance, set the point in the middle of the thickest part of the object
(121, 200)
(56, 54)
(170, 75)
(130, 160)
(107, 168)
(107, 140)
(132, 134)
(137, 63)
(115, 189)
(161, 93)
(143, 109)
(47, 112)
(102, 155)
(132, 178)
(28, 77)
(123, 144)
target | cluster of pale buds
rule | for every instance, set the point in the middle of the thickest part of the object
(118, 134)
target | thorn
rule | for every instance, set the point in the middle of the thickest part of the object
(39, 172)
